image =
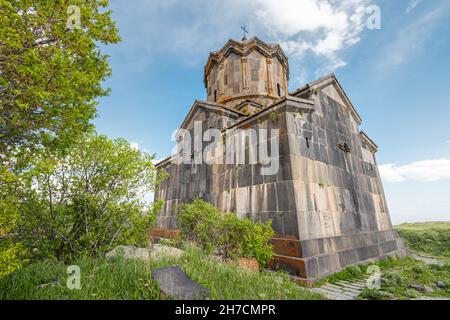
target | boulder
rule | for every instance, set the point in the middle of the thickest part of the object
(156, 252)
(441, 284)
(420, 288)
(174, 282)
(129, 252)
(159, 251)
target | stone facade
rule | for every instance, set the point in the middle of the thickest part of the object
(326, 200)
(246, 70)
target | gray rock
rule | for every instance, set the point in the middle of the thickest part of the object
(428, 289)
(420, 288)
(129, 252)
(174, 282)
(156, 252)
(441, 284)
(159, 251)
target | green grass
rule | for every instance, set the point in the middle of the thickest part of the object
(126, 279)
(398, 274)
(429, 237)
(352, 273)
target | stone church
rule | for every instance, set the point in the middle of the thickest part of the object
(326, 200)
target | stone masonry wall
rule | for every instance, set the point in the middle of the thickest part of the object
(237, 78)
(319, 191)
(338, 192)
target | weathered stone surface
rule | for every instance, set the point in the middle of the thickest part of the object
(156, 252)
(174, 282)
(159, 252)
(420, 288)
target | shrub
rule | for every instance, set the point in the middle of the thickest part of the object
(199, 221)
(230, 236)
(245, 238)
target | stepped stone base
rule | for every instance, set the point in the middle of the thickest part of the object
(157, 234)
(317, 258)
(311, 260)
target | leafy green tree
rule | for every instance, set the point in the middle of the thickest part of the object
(88, 200)
(51, 69)
(50, 76)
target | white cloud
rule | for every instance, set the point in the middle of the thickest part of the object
(448, 141)
(189, 29)
(428, 170)
(295, 16)
(412, 5)
(321, 27)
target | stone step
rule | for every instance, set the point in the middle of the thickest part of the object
(351, 286)
(294, 266)
(352, 291)
(361, 284)
(331, 289)
(287, 247)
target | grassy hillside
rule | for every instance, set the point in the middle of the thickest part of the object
(397, 276)
(125, 279)
(429, 237)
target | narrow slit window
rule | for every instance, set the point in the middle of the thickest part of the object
(279, 89)
(226, 80)
(307, 142)
(215, 95)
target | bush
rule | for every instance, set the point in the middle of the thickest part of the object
(230, 236)
(199, 222)
(245, 238)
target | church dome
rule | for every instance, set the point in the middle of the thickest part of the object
(251, 70)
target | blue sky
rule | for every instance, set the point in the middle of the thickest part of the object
(397, 77)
